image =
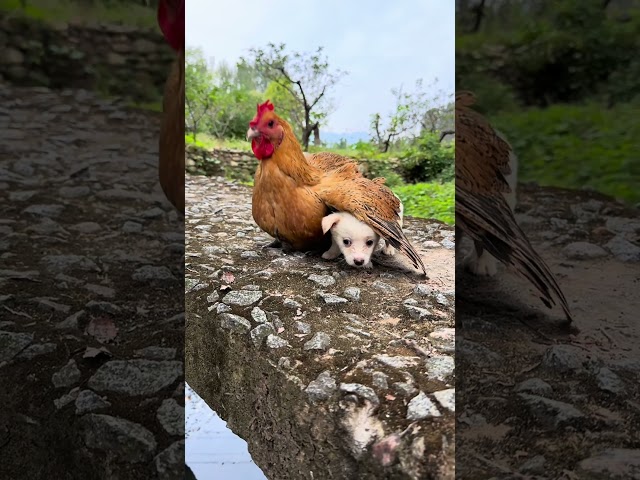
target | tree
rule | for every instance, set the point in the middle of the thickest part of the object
(306, 76)
(415, 111)
(199, 90)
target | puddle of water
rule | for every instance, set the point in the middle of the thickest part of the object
(213, 451)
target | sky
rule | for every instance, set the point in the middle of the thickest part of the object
(382, 44)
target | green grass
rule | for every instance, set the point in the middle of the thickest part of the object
(65, 11)
(428, 200)
(208, 141)
(578, 146)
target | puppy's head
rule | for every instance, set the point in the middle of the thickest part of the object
(356, 239)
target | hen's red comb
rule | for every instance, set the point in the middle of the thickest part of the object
(261, 109)
(171, 22)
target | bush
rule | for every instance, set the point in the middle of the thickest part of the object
(427, 159)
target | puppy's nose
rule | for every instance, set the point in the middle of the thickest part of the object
(358, 262)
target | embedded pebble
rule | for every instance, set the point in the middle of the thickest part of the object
(421, 407)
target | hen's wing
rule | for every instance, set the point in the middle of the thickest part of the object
(373, 203)
(482, 160)
(328, 162)
(171, 162)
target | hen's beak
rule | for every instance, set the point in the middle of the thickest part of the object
(252, 133)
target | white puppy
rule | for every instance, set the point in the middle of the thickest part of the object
(486, 264)
(354, 239)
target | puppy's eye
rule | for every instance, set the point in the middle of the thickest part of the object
(369, 243)
(271, 124)
(346, 242)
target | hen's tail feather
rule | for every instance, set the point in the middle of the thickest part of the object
(488, 219)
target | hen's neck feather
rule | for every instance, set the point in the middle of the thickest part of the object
(290, 160)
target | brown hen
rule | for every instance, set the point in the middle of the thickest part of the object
(482, 162)
(171, 164)
(293, 191)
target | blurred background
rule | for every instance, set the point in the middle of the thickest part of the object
(560, 79)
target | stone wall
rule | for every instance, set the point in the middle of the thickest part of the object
(116, 60)
(236, 164)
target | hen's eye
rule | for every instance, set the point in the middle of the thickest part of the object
(369, 243)
(271, 123)
(346, 241)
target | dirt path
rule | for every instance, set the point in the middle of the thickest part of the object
(534, 399)
(91, 289)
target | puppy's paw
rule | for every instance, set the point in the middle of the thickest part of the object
(368, 265)
(485, 265)
(329, 255)
(388, 250)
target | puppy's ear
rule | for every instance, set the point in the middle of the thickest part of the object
(329, 221)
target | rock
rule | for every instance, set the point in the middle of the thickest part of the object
(421, 407)
(71, 322)
(44, 210)
(131, 227)
(534, 385)
(67, 375)
(12, 343)
(622, 225)
(248, 254)
(353, 293)
(417, 313)
(213, 297)
(423, 290)
(33, 351)
(129, 441)
(564, 358)
(67, 398)
(135, 377)
(440, 367)
(446, 398)
(623, 250)
(258, 315)
(331, 299)
(583, 251)
(171, 416)
(11, 56)
(88, 401)
(156, 353)
(322, 280)
(551, 414)
(396, 361)
(64, 263)
(534, 466)
(379, 379)
(322, 387)
(273, 341)
(235, 323)
(261, 332)
(242, 298)
(444, 339)
(292, 304)
(320, 341)
(405, 389)
(385, 287)
(150, 273)
(170, 462)
(612, 463)
(360, 390)
(303, 327)
(609, 381)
